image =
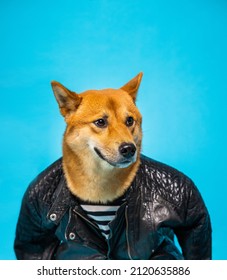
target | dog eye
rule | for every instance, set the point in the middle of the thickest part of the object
(129, 121)
(102, 123)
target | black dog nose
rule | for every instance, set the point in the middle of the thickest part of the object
(127, 150)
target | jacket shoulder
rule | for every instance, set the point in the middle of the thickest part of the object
(160, 169)
(166, 181)
(45, 184)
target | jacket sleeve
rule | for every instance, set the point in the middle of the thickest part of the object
(33, 241)
(195, 234)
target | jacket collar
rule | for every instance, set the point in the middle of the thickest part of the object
(63, 199)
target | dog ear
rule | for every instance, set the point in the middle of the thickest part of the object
(68, 101)
(133, 85)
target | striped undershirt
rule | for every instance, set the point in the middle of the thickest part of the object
(102, 215)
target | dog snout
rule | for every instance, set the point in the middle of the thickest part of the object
(127, 150)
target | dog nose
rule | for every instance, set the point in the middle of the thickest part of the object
(127, 150)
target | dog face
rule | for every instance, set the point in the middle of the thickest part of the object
(102, 125)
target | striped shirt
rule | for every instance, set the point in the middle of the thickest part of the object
(102, 215)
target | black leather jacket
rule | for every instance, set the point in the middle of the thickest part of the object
(160, 202)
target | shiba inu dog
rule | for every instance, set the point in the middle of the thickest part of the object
(103, 199)
(102, 140)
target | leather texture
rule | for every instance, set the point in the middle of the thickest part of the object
(161, 203)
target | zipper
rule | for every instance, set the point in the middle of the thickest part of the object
(90, 222)
(127, 239)
(108, 244)
(111, 232)
(87, 220)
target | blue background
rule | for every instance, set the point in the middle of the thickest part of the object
(181, 46)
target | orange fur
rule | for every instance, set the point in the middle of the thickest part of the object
(89, 176)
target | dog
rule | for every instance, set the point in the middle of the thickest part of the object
(104, 199)
(102, 140)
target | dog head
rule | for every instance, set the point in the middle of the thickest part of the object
(102, 125)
